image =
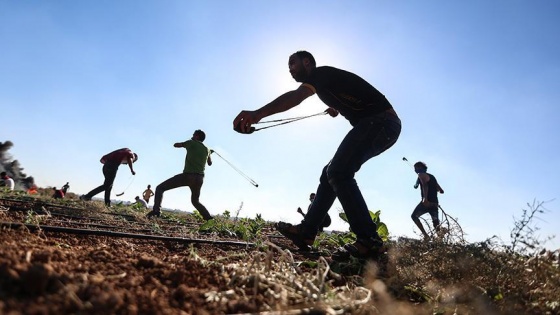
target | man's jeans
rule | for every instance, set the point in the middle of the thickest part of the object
(194, 181)
(109, 172)
(370, 137)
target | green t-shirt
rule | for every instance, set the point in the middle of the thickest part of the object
(197, 155)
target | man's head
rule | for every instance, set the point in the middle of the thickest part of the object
(420, 167)
(137, 198)
(312, 197)
(149, 186)
(3, 175)
(135, 158)
(199, 135)
(300, 64)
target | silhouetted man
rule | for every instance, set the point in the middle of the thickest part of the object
(375, 128)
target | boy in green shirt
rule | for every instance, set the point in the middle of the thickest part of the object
(193, 174)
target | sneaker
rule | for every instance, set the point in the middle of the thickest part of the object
(84, 198)
(363, 248)
(296, 234)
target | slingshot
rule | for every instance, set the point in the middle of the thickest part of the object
(278, 122)
(129, 183)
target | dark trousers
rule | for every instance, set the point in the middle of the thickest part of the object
(109, 172)
(370, 137)
(422, 209)
(194, 181)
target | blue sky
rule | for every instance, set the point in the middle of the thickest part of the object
(474, 82)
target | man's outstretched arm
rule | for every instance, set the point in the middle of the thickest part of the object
(130, 161)
(281, 104)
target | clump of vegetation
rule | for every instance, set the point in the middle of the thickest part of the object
(244, 228)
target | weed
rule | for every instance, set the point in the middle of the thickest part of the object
(200, 218)
(33, 218)
(382, 229)
(244, 228)
(524, 237)
(30, 217)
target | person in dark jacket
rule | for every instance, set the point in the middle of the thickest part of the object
(66, 187)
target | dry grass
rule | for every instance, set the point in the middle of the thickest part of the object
(422, 278)
(442, 276)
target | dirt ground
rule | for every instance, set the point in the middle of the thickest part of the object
(75, 257)
(54, 272)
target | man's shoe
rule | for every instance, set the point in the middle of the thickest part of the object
(153, 213)
(363, 248)
(296, 234)
(84, 198)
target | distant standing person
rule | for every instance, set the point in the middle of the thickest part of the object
(8, 181)
(429, 188)
(66, 187)
(326, 222)
(143, 202)
(111, 162)
(148, 193)
(198, 155)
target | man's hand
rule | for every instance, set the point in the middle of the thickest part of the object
(242, 123)
(332, 112)
(133, 172)
(211, 151)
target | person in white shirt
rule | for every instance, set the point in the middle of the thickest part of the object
(8, 181)
(141, 201)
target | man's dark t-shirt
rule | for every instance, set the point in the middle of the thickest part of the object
(346, 92)
(432, 189)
